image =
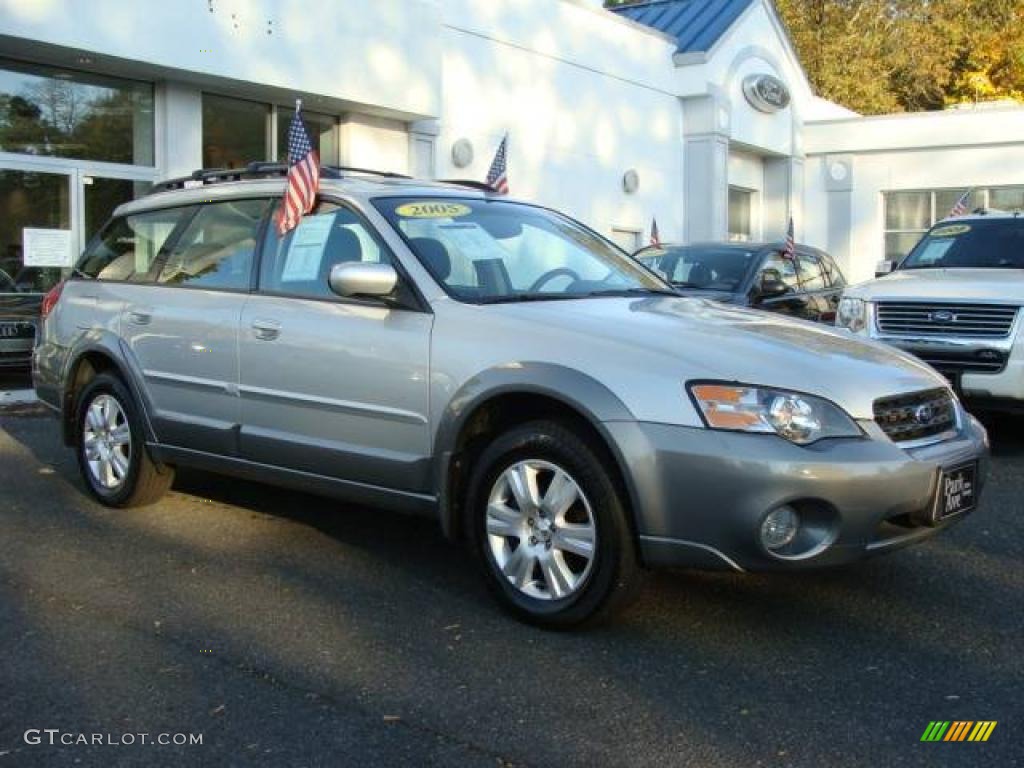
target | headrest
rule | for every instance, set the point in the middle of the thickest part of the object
(434, 254)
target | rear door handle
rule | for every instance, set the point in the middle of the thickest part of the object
(266, 330)
(139, 317)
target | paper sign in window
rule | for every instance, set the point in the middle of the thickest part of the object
(46, 247)
(306, 251)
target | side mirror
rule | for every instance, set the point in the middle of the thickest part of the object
(362, 278)
(883, 268)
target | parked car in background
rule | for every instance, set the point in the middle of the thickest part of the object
(21, 297)
(754, 275)
(437, 349)
(956, 302)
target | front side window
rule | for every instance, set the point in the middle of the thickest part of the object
(703, 267)
(128, 247)
(63, 113)
(493, 251)
(300, 263)
(216, 249)
(992, 243)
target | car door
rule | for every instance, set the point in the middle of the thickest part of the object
(336, 387)
(778, 288)
(182, 330)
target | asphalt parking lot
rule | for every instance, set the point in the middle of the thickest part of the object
(288, 630)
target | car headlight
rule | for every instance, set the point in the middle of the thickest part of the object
(799, 418)
(852, 314)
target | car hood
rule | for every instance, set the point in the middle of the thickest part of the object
(700, 339)
(982, 285)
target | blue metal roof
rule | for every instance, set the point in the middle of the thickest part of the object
(695, 24)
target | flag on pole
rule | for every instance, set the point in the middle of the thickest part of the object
(960, 206)
(655, 237)
(497, 178)
(789, 247)
(303, 176)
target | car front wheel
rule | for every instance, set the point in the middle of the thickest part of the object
(550, 528)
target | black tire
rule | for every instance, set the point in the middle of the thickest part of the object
(614, 573)
(144, 482)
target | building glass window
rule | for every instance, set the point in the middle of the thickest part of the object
(909, 214)
(235, 132)
(63, 113)
(740, 205)
(322, 130)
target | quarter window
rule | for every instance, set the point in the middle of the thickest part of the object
(300, 263)
(129, 246)
(216, 249)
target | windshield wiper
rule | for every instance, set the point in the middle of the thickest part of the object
(76, 272)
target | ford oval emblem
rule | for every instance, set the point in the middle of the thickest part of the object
(924, 414)
(942, 316)
(766, 92)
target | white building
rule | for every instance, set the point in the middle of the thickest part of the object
(671, 109)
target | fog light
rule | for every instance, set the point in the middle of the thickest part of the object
(779, 528)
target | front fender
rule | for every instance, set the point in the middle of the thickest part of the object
(576, 390)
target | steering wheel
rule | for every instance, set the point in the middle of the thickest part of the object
(551, 275)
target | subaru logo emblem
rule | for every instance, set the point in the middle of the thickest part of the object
(923, 414)
(942, 316)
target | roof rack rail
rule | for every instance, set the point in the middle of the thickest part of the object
(261, 169)
(342, 169)
(483, 185)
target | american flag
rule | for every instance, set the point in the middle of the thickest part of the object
(497, 178)
(789, 248)
(960, 206)
(655, 237)
(303, 176)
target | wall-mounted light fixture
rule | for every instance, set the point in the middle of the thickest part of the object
(630, 181)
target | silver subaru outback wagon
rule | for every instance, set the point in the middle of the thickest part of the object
(433, 348)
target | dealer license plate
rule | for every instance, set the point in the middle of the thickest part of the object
(958, 492)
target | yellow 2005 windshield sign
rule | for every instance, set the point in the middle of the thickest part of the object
(432, 209)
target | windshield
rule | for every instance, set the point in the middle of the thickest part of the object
(992, 243)
(492, 251)
(709, 268)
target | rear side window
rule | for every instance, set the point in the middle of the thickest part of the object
(300, 263)
(833, 277)
(216, 249)
(128, 247)
(809, 274)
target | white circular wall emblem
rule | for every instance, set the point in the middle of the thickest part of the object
(838, 171)
(766, 93)
(462, 153)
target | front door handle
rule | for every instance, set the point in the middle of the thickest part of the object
(266, 330)
(140, 317)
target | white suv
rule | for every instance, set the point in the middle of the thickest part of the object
(955, 301)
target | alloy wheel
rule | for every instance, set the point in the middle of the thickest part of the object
(107, 442)
(540, 530)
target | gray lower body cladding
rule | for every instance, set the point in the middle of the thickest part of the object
(700, 496)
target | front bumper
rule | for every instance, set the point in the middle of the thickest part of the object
(700, 496)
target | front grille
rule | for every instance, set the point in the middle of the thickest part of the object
(986, 321)
(955, 363)
(916, 416)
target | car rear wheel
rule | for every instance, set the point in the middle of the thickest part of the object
(549, 526)
(111, 447)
